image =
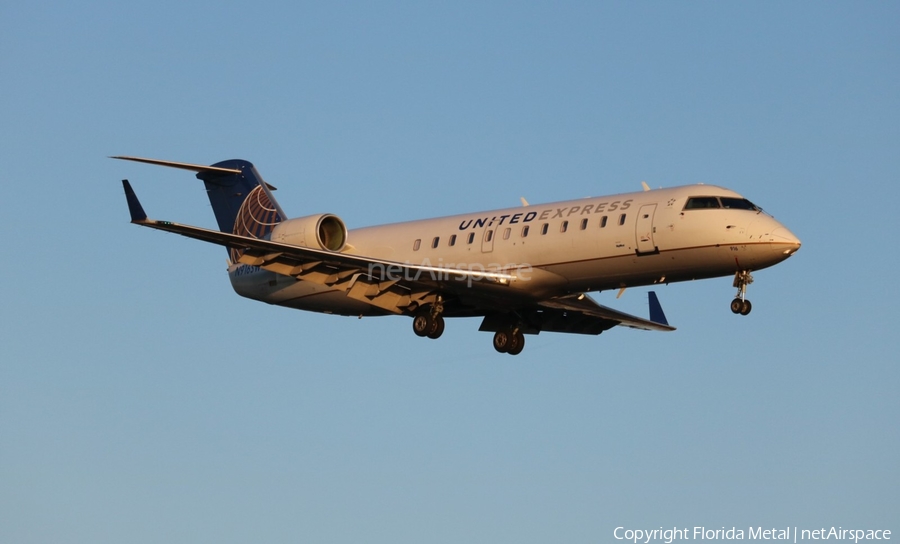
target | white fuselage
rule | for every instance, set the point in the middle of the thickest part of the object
(559, 248)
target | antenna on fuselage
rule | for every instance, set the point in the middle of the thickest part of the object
(645, 186)
(524, 202)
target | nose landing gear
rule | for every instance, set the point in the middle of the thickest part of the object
(740, 305)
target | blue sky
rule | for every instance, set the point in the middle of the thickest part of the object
(142, 401)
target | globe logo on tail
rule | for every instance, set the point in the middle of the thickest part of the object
(256, 218)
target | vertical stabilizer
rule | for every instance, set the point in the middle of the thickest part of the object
(241, 200)
(243, 203)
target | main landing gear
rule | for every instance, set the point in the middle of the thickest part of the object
(740, 305)
(429, 322)
(510, 340)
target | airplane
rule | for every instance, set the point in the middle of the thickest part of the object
(523, 270)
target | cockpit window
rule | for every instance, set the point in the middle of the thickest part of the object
(714, 202)
(702, 203)
(738, 204)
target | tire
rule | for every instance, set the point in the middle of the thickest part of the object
(501, 341)
(737, 305)
(746, 307)
(423, 324)
(437, 328)
(516, 343)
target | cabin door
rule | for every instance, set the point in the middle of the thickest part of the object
(644, 230)
(487, 241)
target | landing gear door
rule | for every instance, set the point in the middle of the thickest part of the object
(644, 231)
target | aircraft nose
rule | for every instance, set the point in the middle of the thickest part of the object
(784, 236)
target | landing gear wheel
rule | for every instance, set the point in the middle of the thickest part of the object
(740, 304)
(742, 307)
(502, 341)
(423, 324)
(516, 343)
(437, 328)
(509, 341)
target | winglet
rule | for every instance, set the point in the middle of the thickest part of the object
(134, 206)
(656, 311)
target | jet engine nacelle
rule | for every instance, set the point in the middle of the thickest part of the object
(323, 231)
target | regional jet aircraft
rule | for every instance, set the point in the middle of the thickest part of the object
(523, 270)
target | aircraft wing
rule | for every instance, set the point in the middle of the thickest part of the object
(578, 314)
(587, 307)
(389, 285)
(395, 287)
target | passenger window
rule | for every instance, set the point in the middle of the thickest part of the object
(564, 226)
(471, 238)
(701, 203)
(452, 240)
(603, 222)
(506, 234)
(584, 224)
(544, 228)
(416, 244)
(524, 231)
(489, 235)
(621, 219)
(435, 242)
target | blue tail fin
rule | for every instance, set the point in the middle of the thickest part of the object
(241, 200)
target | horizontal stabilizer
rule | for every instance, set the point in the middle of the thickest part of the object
(199, 168)
(182, 165)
